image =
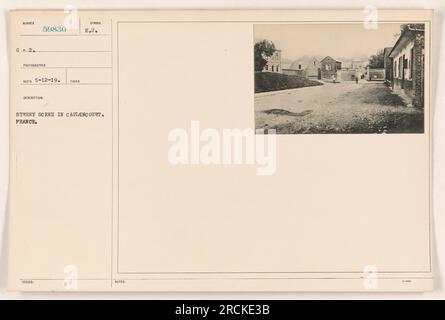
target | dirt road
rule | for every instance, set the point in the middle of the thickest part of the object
(366, 107)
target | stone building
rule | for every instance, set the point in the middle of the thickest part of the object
(273, 63)
(408, 63)
(329, 67)
(310, 65)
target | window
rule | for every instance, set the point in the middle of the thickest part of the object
(299, 66)
(395, 69)
(411, 66)
(272, 69)
(400, 72)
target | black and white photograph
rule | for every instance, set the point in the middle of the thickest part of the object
(339, 78)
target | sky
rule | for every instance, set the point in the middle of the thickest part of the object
(340, 41)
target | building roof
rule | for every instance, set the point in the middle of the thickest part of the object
(328, 57)
(304, 61)
(408, 31)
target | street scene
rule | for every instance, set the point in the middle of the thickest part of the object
(308, 81)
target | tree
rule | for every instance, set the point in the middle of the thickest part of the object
(377, 60)
(262, 50)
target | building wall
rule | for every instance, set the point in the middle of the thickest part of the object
(387, 65)
(338, 65)
(388, 72)
(329, 67)
(346, 75)
(401, 68)
(418, 65)
(310, 66)
(408, 86)
(312, 69)
(375, 74)
(273, 63)
(408, 65)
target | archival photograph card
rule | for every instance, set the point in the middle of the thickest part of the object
(230, 150)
